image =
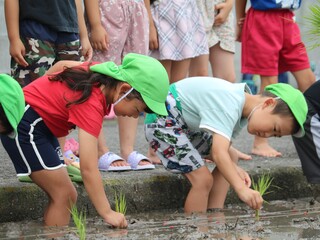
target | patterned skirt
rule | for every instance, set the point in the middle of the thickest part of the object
(180, 28)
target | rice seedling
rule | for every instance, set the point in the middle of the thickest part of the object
(120, 203)
(79, 219)
(262, 185)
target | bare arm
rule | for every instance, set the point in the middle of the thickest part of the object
(83, 33)
(240, 15)
(221, 156)
(17, 49)
(99, 37)
(59, 66)
(93, 181)
(153, 34)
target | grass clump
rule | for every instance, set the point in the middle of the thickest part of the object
(120, 202)
(313, 21)
(262, 186)
(79, 219)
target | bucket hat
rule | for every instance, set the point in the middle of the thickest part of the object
(12, 101)
(295, 100)
(145, 74)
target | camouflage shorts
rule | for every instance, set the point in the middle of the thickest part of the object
(179, 149)
(41, 55)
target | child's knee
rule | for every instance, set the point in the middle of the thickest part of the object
(203, 180)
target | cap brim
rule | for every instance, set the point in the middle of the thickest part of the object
(156, 107)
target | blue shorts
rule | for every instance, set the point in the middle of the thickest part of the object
(35, 147)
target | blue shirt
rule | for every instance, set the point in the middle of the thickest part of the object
(275, 4)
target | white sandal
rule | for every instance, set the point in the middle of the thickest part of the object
(135, 158)
(107, 159)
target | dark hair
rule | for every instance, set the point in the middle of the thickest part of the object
(136, 94)
(82, 79)
(4, 122)
(283, 109)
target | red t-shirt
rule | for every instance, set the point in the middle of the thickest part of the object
(49, 99)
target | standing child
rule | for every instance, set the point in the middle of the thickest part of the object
(218, 18)
(269, 51)
(80, 96)
(117, 28)
(11, 105)
(177, 35)
(42, 33)
(204, 115)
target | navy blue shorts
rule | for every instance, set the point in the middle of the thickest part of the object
(35, 147)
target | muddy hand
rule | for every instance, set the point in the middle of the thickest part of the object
(116, 219)
(251, 197)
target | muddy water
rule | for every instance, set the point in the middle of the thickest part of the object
(286, 220)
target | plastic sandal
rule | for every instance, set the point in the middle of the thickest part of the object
(107, 159)
(135, 158)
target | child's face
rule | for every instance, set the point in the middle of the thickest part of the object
(130, 108)
(265, 124)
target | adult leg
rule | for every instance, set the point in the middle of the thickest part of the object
(61, 192)
(261, 146)
(220, 185)
(201, 184)
(222, 63)
(305, 78)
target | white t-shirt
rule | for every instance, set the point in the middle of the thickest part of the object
(213, 105)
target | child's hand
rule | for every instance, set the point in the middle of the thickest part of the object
(153, 38)
(239, 26)
(17, 52)
(99, 38)
(223, 10)
(244, 176)
(251, 197)
(116, 219)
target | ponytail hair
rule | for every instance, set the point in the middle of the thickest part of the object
(82, 79)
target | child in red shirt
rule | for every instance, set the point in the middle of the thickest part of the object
(80, 96)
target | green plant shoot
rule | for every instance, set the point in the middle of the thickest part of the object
(79, 219)
(120, 202)
(262, 186)
(313, 20)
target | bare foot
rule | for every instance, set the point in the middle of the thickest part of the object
(242, 155)
(153, 157)
(265, 150)
(119, 163)
(261, 147)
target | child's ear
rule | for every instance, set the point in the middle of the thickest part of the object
(125, 87)
(270, 102)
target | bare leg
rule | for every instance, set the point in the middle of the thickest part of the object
(102, 149)
(179, 70)
(201, 183)
(199, 66)
(61, 192)
(305, 78)
(222, 63)
(220, 186)
(261, 146)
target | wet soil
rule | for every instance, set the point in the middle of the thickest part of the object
(286, 220)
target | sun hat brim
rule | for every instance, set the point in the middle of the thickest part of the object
(156, 107)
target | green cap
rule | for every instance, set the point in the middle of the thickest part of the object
(145, 74)
(295, 100)
(12, 101)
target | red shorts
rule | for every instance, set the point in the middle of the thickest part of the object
(271, 43)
